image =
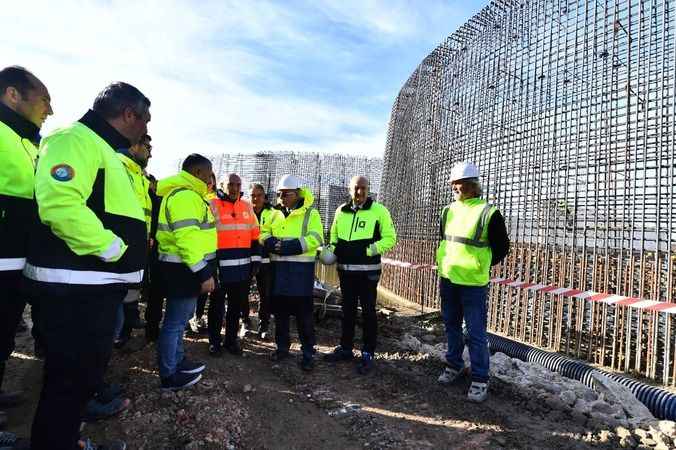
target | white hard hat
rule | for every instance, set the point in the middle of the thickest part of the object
(289, 182)
(464, 170)
(327, 257)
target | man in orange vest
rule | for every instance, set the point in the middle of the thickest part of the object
(238, 259)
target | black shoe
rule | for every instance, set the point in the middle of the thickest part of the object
(215, 351)
(366, 364)
(338, 355)
(180, 381)
(279, 355)
(234, 349)
(187, 366)
(307, 364)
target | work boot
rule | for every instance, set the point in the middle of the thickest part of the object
(215, 351)
(366, 364)
(478, 392)
(11, 398)
(233, 348)
(339, 354)
(449, 375)
(279, 355)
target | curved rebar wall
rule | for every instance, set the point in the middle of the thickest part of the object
(568, 107)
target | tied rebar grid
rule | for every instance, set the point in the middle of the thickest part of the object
(568, 110)
(327, 175)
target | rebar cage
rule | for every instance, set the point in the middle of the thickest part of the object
(568, 109)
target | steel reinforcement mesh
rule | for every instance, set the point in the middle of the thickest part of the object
(568, 108)
(327, 175)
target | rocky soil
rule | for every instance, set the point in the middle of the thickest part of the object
(250, 402)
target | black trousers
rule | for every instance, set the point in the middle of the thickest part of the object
(264, 283)
(359, 288)
(235, 292)
(156, 294)
(201, 305)
(303, 309)
(79, 331)
(12, 304)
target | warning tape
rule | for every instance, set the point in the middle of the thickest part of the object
(592, 296)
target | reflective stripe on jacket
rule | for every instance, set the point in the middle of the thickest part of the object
(354, 232)
(93, 230)
(238, 232)
(18, 210)
(300, 234)
(464, 255)
(186, 234)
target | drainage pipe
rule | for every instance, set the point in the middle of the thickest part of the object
(660, 402)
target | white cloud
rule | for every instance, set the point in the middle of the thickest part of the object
(196, 62)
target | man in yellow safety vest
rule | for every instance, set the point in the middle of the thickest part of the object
(473, 238)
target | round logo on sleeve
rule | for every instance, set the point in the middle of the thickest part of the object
(62, 172)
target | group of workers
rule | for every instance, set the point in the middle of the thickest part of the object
(86, 233)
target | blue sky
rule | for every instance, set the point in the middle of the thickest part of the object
(234, 76)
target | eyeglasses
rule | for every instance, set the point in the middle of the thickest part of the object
(285, 194)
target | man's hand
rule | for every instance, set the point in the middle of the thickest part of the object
(208, 286)
(278, 246)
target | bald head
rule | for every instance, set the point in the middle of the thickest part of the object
(359, 189)
(234, 187)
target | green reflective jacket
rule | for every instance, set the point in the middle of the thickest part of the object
(464, 255)
(141, 186)
(361, 236)
(93, 229)
(186, 230)
(18, 210)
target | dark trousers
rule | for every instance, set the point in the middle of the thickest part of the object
(156, 294)
(201, 305)
(79, 331)
(359, 288)
(303, 309)
(12, 304)
(234, 292)
(264, 284)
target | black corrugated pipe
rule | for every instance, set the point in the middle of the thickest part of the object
(660, 402)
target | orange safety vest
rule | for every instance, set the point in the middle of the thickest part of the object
(238, 231)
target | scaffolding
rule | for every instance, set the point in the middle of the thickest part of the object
(568, 108)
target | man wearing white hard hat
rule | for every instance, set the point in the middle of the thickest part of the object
(362, 230)
(292, 244)
(473, 238)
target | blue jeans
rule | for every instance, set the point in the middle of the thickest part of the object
(468, 302)
(170, 344)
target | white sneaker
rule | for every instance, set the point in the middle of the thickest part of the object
(478, 392)
(449, 376)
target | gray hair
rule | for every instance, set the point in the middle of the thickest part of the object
(116, 97)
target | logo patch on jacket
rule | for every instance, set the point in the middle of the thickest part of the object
(62, 172)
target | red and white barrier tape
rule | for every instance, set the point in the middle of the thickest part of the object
(608, 299)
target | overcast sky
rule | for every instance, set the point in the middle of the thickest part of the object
(233, 76)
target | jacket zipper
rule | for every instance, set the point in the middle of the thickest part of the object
(354, 217)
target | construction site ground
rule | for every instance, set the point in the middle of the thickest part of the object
(249, 402)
